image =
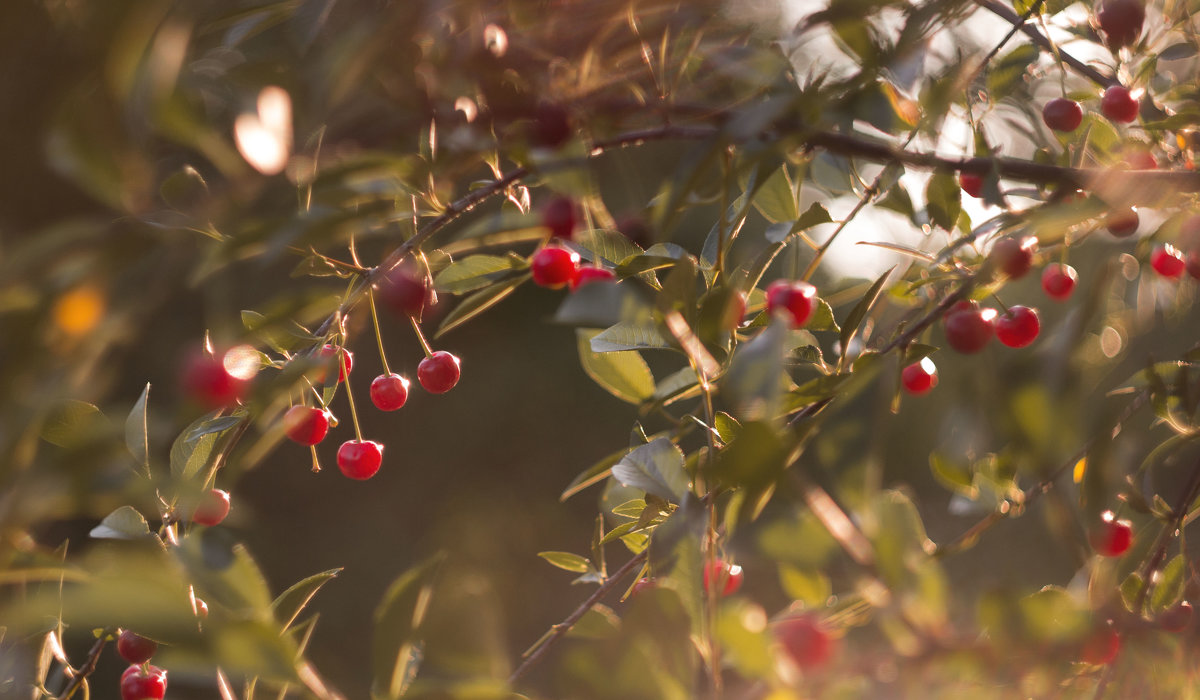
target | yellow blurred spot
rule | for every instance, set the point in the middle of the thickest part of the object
(1080, 470)
(242, 362)
(78, 311)
(782, 694)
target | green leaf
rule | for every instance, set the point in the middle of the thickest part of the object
(137, 438)
(943, 202)
(822, 318)
(225, 573)
(754, 460)
(754, 381)
(396, 650)
(777, 199)
(859, 312)
(630, 335)
(195, 446)
(1170, 585)
(625, 375)
(477, 303)
(810, 586)
(610, 246)
(599, 305)
(72, 423)
(593, 474)
(656, 468)
(1008, 72)
(288, 605)
(475, 272)
(124, 523)
(1052, 615)
(567, 561)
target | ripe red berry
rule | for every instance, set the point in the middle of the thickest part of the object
(554, 267)
(209, 383)
(1118, 105)
(1058, 281)
(213, 508)
(360, 459)
(439, 372)
(1168, 261)
(1111, 537)
(149, 683)
(1123, 223)
(642, 584)
(306, 425)
(591, 274)
(805, 641)
(1101, 646)
(332, 357)
(919, 377)
(795, 299)
(1141, 159)
(735, 311)
(1177, 617)
(969, 330)
(1121, 21)
(1018, 327)
(971, 184)
(407, 293)
(389, 391)
(135, 648)
(551, 125)
(1061, 114)
(727, 577)
(559, 216)
(1192, 262)
(1014, 256)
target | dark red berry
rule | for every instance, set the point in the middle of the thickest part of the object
(439, 372)
(1017, 327)
(634, 227)
(795, 299)
(138, 683)
(805, 641)
(1121, 21)
(213, 508)
(1122, 223)
(551, 125)
(1014, 256)
(407, 293)
(1176, 618)
(559, 216)
(135, 648)
(969, 330)
(1101, 646)
(591, 274)
(1192, 263)
(332, 357)
(1111, 537)
(360, 459)
(642, 584)
(919, 377)
(1058, 281)
(1141, 159)
(305, 424)
(1168, 261)
(1061, 114)
(389, 391)
(210, 384)
(554, 267)
(725, 577)
(735, 310)
(1118, 105)
(971, 184)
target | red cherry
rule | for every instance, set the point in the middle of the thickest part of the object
(199, 608)
(643, 584)
(963, 305)
(1141, 159)
(1176, 618)
(734, 311)
(1018, 327)
(1014, 256)
(1111, 537)
(969, 331)
(439, 372)
(1061, 114)
(389, 391)
(559, 216)
(1123, 223)
(306, 425)
(329, 354)
(551, 125)
(143, 684)
(206, 380)
(213, 508)
(971, 184)
(795, 298)
(554, 267)
(727, 576)
(919, 377)
(1168, 261)
(1193, 264)
(407, 293)
(1121, 21)
(805, 641)
(591, 274)
(360, 459)
(1118, 105)
(135, 648)
(1101, 646)
(634, 227)
(1058, 281)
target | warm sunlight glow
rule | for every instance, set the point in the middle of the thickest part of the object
(241, 362)
(78, 311)
(265, 139)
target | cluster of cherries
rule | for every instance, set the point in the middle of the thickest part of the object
(140, 681)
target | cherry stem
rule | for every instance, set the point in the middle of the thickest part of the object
(378, 333)
(421, 337)
(316, 465)
(1002, 305)
(350, 396)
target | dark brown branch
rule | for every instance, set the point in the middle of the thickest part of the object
(1178, 512)
(93, 658)
(1006, 13)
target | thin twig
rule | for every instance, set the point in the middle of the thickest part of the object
(1186, 497)
(1045, 44)
(88, 667)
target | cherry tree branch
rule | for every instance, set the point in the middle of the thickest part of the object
(80, 677)
(1006, 13)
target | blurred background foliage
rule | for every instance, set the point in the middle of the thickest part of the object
(131, 227)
